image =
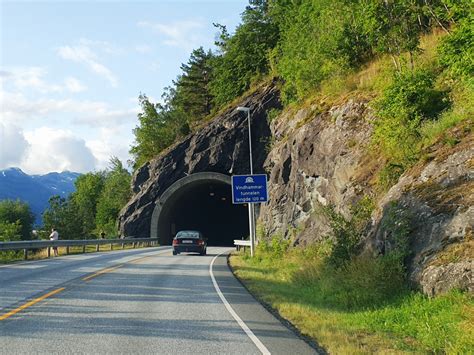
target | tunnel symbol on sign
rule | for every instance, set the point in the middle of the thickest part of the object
(249, 180)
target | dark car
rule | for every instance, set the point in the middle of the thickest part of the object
(189, 242)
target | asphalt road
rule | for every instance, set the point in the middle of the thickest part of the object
(135, 301)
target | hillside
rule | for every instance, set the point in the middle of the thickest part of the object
(366, 241)
(35, 189)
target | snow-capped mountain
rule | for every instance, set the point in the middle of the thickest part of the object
(35, 189)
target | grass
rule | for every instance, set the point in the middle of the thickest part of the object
(8, 257)
(407, 322)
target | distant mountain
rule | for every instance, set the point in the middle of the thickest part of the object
(35, 189)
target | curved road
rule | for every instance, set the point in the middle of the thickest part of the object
(135, 301)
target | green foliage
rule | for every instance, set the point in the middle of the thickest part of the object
(350, 310)
(244, 55)
(84, 201)
(62, 214)
(94, 206)
(437, 323)
(396, 224)
(409, 101)
(456, 50)
(9, 231)
(346, 233)
(113, 197)
(193, 96)
(159, 126)
(273, 249)
(364, 282)
(16, 214)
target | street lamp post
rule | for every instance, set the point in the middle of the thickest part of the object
(251, 206)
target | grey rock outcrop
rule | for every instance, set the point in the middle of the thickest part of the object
(220, 146)
(321, 157)
(438, 198)
(315, 160)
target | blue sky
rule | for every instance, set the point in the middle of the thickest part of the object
(71, 73)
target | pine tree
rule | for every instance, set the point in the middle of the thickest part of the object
(192, 95)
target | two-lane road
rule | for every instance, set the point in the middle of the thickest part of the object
(137, 301)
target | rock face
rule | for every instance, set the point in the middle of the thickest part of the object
(318, 156)
(315, 161)
(221, 146)
(438, 200)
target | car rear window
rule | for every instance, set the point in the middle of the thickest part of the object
(182, 235)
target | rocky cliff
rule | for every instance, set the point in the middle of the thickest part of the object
(320, 155)
(220, 146)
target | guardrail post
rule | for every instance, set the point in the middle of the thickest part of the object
(97, 247)
(25, 254)
(111, 246)
(123, 245)
(49, 252)
(83, 248)
(67, 250)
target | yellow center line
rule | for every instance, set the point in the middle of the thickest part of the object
(104, 271)
(31, 303)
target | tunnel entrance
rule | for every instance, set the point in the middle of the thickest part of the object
(202, 202)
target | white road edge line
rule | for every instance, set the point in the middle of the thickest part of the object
(242, 324)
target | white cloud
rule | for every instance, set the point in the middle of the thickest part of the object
(143, 48)
(13, 145)
(33, 78)
(181, 34)
(74, 85)
(15, 107)
(83, 54)
(56, 150)
(111, 142)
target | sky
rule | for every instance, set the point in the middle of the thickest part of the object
(71, 73)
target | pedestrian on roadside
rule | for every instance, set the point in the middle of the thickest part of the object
(54, 236)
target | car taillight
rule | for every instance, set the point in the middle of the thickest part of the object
(200, 242)
(175, 241)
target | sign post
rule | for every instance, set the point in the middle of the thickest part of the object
(250, 189)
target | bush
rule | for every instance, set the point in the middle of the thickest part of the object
(456, 51)
(273, 249)
(408, 102)
(364, 282)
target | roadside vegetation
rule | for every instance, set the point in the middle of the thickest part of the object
(357, 309)
(352, 302)
(87, 213)
(313, 48)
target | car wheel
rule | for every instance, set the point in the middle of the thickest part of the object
(204, 252)
(175, 252)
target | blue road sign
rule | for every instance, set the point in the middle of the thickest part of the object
(249, 188)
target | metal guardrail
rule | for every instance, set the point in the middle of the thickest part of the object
(241, 243)
(27, 245)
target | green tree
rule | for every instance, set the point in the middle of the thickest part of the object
(159, 126)
(409, 101)
(244, 55)
(62, 215)
(17, 213)
(84, 200)
(114, 196)
(192, 94)
(10, 232)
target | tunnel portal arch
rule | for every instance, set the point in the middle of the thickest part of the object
(200, 201)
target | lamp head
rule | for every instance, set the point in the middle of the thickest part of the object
(243, 109)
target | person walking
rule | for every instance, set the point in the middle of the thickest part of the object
(54, 236)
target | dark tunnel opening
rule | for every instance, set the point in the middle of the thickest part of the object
(205, 206)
